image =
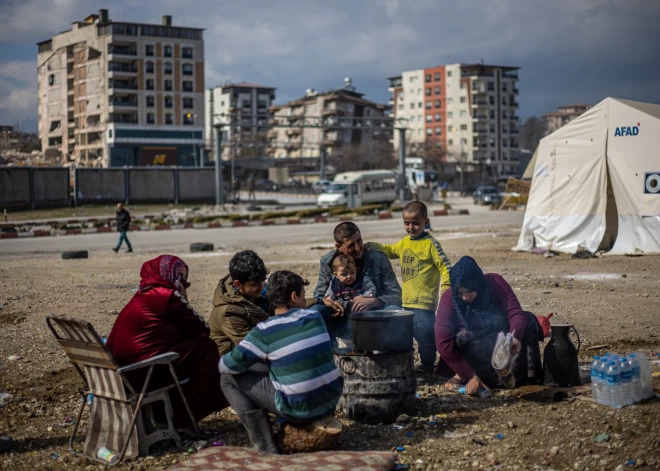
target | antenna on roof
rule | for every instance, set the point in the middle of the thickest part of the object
(482, 61)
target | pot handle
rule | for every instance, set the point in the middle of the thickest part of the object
(578, 337)
(347, 365)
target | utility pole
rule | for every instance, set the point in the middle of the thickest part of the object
(402, 163)
(219, 190)
(324, 156)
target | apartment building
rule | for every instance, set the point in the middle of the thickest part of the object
(466, 111)
(235, 105)
(335, 113)
(564, 115)
(122, 93)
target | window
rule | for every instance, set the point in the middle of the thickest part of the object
(400, 97)
(504, 101)
(491, 100)
(150, 84)
(437, 116)
(51, 79)
(504, 87)
(437, 76)
(167, 51)
(168, 85)
(149, 50)
(167, 68)
(412, 106)
(428, 91)
(428, 78)
(420, 105)
(505, 115)
(492, 128)
(450, 142)
(491, 142)
(150, 101)
(438, 144)
(419, 92)
(188, 118)
(419, 117)
(505, 142)
(428, 105)
(463, 99)
(263, 104)
(151, 118)
(505, 130)
(491, 114)
(400, 107)
(187, 52)
(428, 118)
(463, 141)
(412, 119)
(449, 73)
(437, 103)
(450, 101)
(149, 67)
(411, 79)
(463, 113)
(188, 102)
(491, 87)
(187, 69)
(462, 85)
(438, 131)
(450, 128)
(492, 156)
(429, 131)
(450, 114)
(463, 127)
(168, 118)
(436, 90)
(419, 132)
(188, 87)
(169, 102)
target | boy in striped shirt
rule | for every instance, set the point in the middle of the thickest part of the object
(284, 365)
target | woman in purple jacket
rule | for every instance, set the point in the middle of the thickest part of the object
(470, 316)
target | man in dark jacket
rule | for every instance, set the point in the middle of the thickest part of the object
(123, 224)
(373, 265)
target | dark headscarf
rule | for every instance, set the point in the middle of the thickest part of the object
(467, 274)
(164, 272)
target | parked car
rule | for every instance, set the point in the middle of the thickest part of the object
(319, 186)
(486, 195)
(266, 185)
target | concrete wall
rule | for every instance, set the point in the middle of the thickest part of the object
(196, 184)
(51, 185)
(14, 186)
(153, 184)
(99, 185)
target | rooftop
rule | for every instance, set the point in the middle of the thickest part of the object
(247, 85)
(576, 105)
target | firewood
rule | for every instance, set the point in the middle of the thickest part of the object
(316, 436)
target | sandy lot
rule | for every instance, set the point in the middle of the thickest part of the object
(612, 301)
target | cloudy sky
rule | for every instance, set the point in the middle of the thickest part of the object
(569, 50)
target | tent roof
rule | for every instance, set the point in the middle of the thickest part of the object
(649, 108)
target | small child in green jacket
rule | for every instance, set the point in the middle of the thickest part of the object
(425, 272)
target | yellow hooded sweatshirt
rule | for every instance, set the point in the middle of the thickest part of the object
(424, 269)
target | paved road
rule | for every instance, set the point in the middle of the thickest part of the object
(244, 237)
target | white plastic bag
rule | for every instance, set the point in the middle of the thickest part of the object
(503, 361)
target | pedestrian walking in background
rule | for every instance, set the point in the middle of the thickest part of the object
(123, 224)
(251, 186)
(236, 186)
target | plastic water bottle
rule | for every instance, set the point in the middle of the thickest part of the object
(595, 378)
(645, 375)
(602, 385)
(626, 382)
(613, 376)
(636, 378)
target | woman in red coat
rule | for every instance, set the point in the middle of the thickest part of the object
(470, 316)
(159, 319)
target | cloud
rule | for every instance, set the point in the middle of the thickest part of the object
(568, 50)
(20, 71)
(18, 90)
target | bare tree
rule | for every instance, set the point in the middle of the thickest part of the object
(351, 158)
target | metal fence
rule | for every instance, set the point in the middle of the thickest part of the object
(34, 187)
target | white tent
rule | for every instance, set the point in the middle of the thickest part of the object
(596, 183)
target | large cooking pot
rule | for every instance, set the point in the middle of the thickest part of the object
(383, 331)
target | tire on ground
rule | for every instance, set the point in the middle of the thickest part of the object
(201, 247)
(74, 254)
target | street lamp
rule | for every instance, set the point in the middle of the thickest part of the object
(461, 158)
(192, 135)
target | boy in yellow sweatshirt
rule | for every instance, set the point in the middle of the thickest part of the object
(425, 272)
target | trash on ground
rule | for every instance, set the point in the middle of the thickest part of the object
(499, 436)
(400, 448)
(602, 438)
(14, 357)
(5, 398)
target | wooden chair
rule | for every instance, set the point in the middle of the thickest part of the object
(116, 418)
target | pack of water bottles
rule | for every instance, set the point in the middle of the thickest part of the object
(618, 381)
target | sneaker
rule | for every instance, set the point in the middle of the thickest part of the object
(5, 442)
(115, 250)
(129, 251)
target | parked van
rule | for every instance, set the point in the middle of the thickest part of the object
(354, 189)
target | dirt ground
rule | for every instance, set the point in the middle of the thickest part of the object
(612, 301)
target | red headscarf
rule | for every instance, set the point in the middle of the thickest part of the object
(164, 272)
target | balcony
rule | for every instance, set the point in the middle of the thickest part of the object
(480, 144)
(480, 131)
(129, 101)
(514, 131)
(480, 117)
(510, 74)
(514, 104)
(480, 103)
(333, 111)
(514, 118)
(122, 67)
(515, 90)
(294, 131)
(117, 50)
(477, 73)
(123, 118)
(122, 84)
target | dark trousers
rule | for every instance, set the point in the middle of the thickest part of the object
(123, 238)
(424, 333)
(253, 390)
